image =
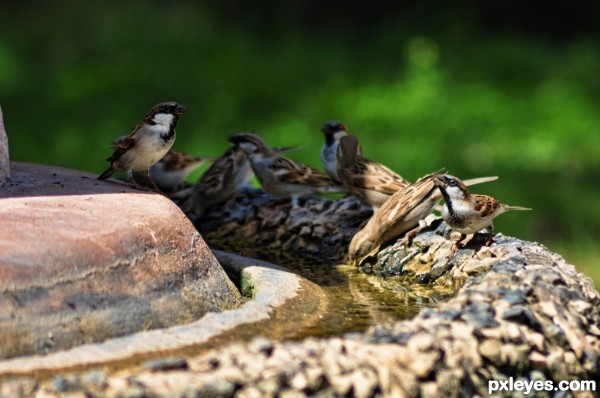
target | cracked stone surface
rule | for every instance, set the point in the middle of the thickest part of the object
(83, 260)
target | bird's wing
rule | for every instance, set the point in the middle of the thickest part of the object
(124, 143)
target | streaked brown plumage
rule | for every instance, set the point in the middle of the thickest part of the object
(468, 213)
(398, 215)
(369, 181)
(280, 176)
(170, 172)
(228, 175)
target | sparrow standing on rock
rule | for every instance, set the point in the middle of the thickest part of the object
(370, 182)
(403, 213)
(147, 143)
(333, 131)
(280, 176)
(468, 213)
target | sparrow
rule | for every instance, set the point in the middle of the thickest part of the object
(280, 176)
(333, 131)
(403, 213)
(228, 175)
(368, 181)
(399, 214)
(170, 172)
(465, 212)
(147, 143)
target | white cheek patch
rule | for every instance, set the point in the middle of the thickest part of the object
(248, 147)
(339, 134)
(455, 192)
(163, 118)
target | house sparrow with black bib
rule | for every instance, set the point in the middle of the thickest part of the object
(468, 213)
(147, 143)
(403, 213)
(333, 131)
(280, 176)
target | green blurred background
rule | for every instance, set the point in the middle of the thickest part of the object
(506, 88)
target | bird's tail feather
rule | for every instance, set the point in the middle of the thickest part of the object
(479, 180)
(509, 207)
(107, 173)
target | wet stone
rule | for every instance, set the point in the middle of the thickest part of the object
(481, 314)
(165, 364)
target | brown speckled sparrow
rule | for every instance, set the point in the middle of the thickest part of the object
(280, 176)
(369, 181)
(398, 215)
(170, 172)
(468, 213)
(372, 182)
(147, 143)
(227, 176)
(403, 213)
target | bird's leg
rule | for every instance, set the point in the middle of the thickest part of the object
(406, 239)
(133, 182)
(456, 245)
(154, 186)
(490, 236)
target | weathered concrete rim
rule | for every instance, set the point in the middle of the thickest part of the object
(272, 288)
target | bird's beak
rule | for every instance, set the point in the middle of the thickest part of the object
(438, 180)
(234, 139)
(180, 110)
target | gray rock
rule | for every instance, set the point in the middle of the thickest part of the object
(83, 260)
(4, 160)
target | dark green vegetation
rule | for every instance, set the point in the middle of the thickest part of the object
(502, 90)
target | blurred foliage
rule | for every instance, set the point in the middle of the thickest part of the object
(504, 88)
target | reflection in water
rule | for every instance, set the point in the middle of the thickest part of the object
(358, 301)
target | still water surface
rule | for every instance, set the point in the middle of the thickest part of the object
(358, 301)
